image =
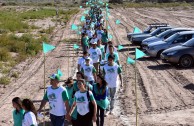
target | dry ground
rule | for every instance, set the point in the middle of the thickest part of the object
(165, 93)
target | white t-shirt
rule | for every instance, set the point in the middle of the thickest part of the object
(95, 54)
(82, 102)
(56, 102)
(107, 50)
(90, 33)
(82, 62)
(29, 119)
(111, 75)
(94, 40)
(88, 72)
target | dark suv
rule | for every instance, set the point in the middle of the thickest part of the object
(148, 30)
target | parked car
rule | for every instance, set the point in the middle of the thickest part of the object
(162, 36)
(148, 30)
(182, 54)
(137, 40)
(156, 48)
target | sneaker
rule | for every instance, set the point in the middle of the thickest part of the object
(106, 113)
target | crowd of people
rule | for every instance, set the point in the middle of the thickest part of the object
(91, 96)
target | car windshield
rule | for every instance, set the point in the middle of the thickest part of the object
(171, 38)
(161, 35)
(189, 43)
(155, 32)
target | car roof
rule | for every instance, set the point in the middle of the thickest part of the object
(175, 29)
(185, 32)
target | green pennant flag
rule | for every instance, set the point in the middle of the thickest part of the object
(118, 22)
(75, 46)
(139, 53)
(120, 47)
(130, 61)
(86, 11)
(74, 27)
(136, 30)
(110, 36)
(80, 7)
(79, 33)
(82, 19)
(59, 73)
(87, 3)
(108, 27)
(47, 47)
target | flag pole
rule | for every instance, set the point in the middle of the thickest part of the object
(136, 91)
(44, 83)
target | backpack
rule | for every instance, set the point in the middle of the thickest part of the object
(91, 106)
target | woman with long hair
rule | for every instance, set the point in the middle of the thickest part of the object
(18, 113)
(30, 114)
(83, 99)
(100, 91)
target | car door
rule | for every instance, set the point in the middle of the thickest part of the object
(181, 39)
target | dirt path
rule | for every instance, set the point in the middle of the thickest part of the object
(165, 93)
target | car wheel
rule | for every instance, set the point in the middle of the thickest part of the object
(186, 61)
(158, 54)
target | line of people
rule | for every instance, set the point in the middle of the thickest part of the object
(91, 96)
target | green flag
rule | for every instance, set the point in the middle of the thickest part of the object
(110, 36)
(108, 27)
(59, 73)
(118, 22)
(120, 47)
(75, 46)
(47, 47)
(82, 19)
(139, 53)
(130, 61)
(74, 27)
(136, 30)
(86, 11)
(80, 7)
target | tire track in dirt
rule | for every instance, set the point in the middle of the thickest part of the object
(170, 82)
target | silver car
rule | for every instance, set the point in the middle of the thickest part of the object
(163, 36)
(156, 48)
(182, 55)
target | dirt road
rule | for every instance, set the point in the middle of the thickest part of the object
(165, 93)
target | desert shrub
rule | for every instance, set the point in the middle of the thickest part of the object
(4, 80)
(4, 54)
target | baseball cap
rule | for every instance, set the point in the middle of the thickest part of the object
(87, 58)
(55, 77)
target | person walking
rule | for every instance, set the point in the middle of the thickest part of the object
(89, 71)
(81, 60)
(111, 72)
(100, 91)
(95, 55)
(18, 112)
(115, 54)
(83, 97)
(30, 114)
(57, 97)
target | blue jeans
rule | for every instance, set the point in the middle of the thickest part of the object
(111, 95)
(57, 120)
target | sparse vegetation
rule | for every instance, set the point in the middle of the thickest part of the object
(13, 48)
(4, 80)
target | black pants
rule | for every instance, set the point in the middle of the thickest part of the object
(100, 116)
(85, 120)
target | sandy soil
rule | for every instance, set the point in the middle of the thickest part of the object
(165, 93)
